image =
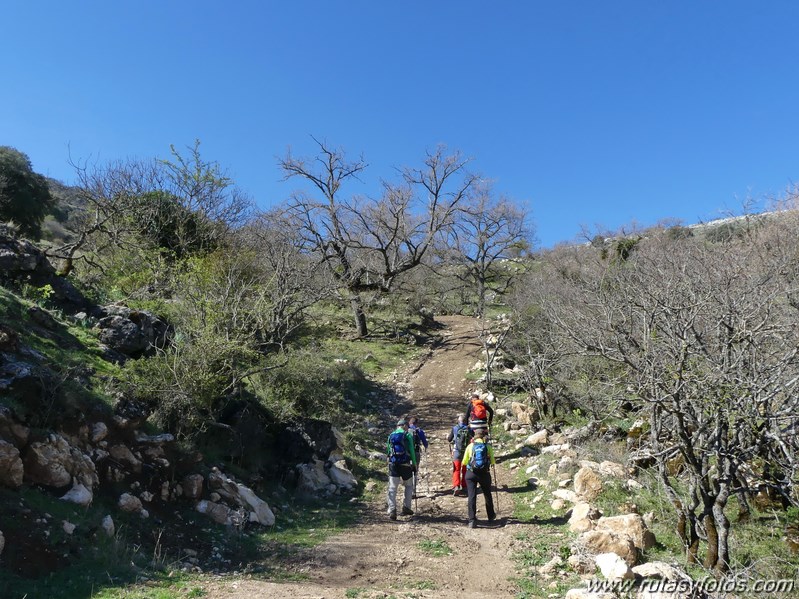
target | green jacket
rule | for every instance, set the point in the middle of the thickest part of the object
(408, 444)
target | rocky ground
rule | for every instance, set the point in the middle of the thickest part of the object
(380, 557)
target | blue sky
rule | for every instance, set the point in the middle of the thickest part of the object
(592, 113)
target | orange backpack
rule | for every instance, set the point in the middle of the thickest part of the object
(479, 409)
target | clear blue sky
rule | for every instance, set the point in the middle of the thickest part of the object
(594, 113)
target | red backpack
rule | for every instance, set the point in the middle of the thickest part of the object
(479, 410)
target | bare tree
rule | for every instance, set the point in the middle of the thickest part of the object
(487, 242)
(368, 243)
(701, 336)
(183, 205)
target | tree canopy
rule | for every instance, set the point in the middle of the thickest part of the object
(24, 195)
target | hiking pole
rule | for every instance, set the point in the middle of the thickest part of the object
(496, 487)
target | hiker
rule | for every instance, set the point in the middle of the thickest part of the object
(459, 437)
(478, 457)
(402, 465)
(419, 442)
(478, 413)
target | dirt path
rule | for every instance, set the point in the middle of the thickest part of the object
(381, 558)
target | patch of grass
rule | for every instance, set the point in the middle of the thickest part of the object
(423, 585)
(354, 592)
(435, 547)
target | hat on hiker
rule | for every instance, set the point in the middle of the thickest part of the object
(402, 422)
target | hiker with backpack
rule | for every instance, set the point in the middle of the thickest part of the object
(479, 457)
(419, 442)
(459, 437)
(402, 465)
(478, 413)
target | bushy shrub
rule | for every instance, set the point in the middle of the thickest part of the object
(307, 384)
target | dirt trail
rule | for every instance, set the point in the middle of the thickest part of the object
(381, 558)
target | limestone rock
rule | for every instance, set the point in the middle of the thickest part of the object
(613, 567)
(631, 525)
(108, 526)
(341, 475)
(193, 486)
(99, 432)
(11, 469)
(612, 469)
(123, 455)
(312, 478)
(605, 541)
(583, 517)
(659, 570)
(537, 438)
(55, 462)
(129, 503)
(11, 430)
(78, 494)
(258, 509)
(587, 484)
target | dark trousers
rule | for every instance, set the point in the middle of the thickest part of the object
(484, 480)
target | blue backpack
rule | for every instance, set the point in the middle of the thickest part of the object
(480, 459)
(397, 452)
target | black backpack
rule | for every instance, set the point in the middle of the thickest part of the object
(462, 438)
(417, 442)
(396, 447)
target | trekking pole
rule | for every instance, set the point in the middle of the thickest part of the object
(496, 486)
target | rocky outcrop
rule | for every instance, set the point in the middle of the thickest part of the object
(55, 463)
(20, 260)
(132, 333)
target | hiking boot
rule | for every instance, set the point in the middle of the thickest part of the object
(492, 518)
(392, 515)
(405, 512)
(472, 524)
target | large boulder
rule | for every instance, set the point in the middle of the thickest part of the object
(309, 439)
(340, 475)
(258, 509)
(132, 333)
(55, 463)
(606, 541)
(630, 525)
(11, 469)
(313, 479)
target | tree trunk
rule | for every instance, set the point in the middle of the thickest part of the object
(360, 316)
(481, 298)
(723, 537)
(712, 556)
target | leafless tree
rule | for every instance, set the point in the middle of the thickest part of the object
(487, 242)
(368, 243)
(701, 336)
(184, 204)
